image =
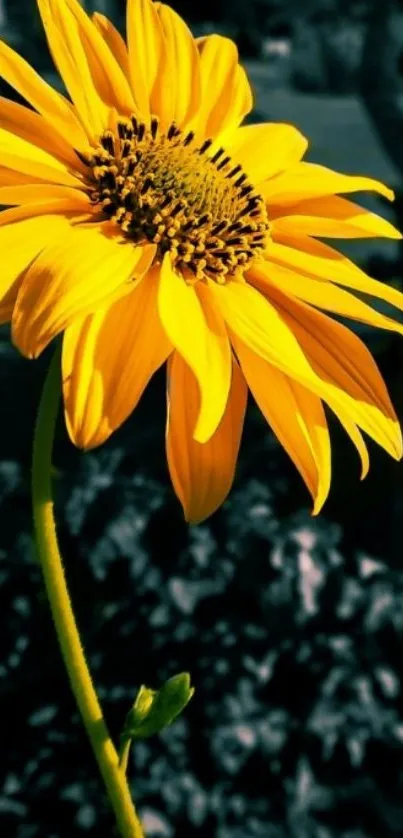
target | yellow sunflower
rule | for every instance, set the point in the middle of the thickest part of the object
(147, 226)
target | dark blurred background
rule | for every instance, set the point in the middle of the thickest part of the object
(290, 626)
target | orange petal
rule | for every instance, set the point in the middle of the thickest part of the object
(226, 95)
(331, 217)
(9, 177)
(356, 438)
(258, 323)
(108, 359)
(326, 296)
(114, 40)
(25, 123)
(266, 149)
(74, 276)
(269, 330)
(196, 329)
(25, 157)
(296, 417)
(344, 372)
(202, 474)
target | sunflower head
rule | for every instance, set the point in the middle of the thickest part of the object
(169, 189)
(147, 225)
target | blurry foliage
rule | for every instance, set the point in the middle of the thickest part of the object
(326, 57)
(247, 22)
(326, 35)
(292, 629)
(381, 78)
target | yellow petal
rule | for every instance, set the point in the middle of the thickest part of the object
(114, 40)
(331, 217)
(108, 359)
(74, 65)
(31, 171)
(40, 192)
(296, 417)
(268, 329)
(77, 274)
(107, 75)
(47, 101)
(196, 329)
(30, 126)
(266, 149)
(177, 91)
(308, 180)
(261, 327)
(7, 305)
(326, 296)
(202, 474)
(60, 206)
(22, 156)
(356, 437)
(342, 371)
(226, 96)
(20, 243)
(316, 259)
(9, 177)
(145, 41)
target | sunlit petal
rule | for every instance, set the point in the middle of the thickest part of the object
(145, 41)
(226, 96)
(308, 180)
(114, 40)
(72, 277)
(196, 329)
(296, 417)
(316, 259)
(177, 92)
(331, 217)
(108, 359)
(266, 149)
(47, 101)
(325, 295)
(202, 473)
(22, 241)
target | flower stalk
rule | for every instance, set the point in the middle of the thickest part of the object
(63, 616)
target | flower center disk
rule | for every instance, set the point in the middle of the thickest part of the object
(166, 189)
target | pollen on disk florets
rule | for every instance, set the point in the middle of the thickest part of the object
(168, 189)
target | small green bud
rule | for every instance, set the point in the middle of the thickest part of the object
(141, 706)
(153, 710)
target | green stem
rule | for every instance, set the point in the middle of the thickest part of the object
(69, 639)
(124, 752)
